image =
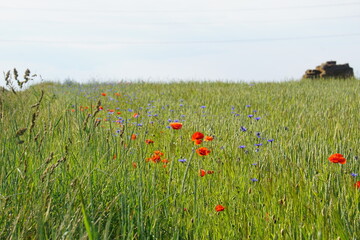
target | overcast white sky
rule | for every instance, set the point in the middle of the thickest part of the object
(248, 40)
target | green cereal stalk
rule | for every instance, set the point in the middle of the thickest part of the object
(36, 113)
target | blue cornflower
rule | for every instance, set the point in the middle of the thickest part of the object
(242, 128)
(176, 120)
(203, 106)
(169, 120)
(118, 131)
(254, 164)
(257, 118)
(270, 140)
(250, 116)
(242, 146)
(181, 105)
(248, 105)
(182, 160)
(254, 179)
(354, 174)
(258, 144)
(139, 125)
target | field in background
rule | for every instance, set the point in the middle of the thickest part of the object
(86, 165)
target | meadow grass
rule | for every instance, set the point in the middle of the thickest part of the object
(76, 173)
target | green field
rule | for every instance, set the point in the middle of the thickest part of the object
(77, 172)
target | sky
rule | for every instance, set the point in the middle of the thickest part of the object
(166, 40)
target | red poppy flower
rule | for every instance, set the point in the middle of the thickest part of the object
(176, 125)
(219, 208)
(202, 172)
(158, 153)
(117, 94)
(103, 94)
(208, 138)
(149, 141)
(135, 115)
(165, 161)
(357, 184)
(197, 136)
(198, 142)
(210, 172)
(155, 158)
(133, 136)
(337, 158)
(203, 151)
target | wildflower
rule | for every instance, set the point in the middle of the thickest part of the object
(197, 136)
(103, 94)
(337, 158)
(182, 160)
(134, 165)
(202, 172)
(257, 118)
(243, 129)
(357, 184)
(135, 115)
(117, 94)
(258, 144)
(165, 161)
(133, 136)
(209, 172)
(219, 208)
(203, 151)
(198, 142)
(208, 138)
(176, 125)
(254, 179)
(250, 116)
(270, 140)
(354, 174)
(158, 153)
(154, 158)
(149, 141)
(248, 106)
(242, 146)
(203, 106)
